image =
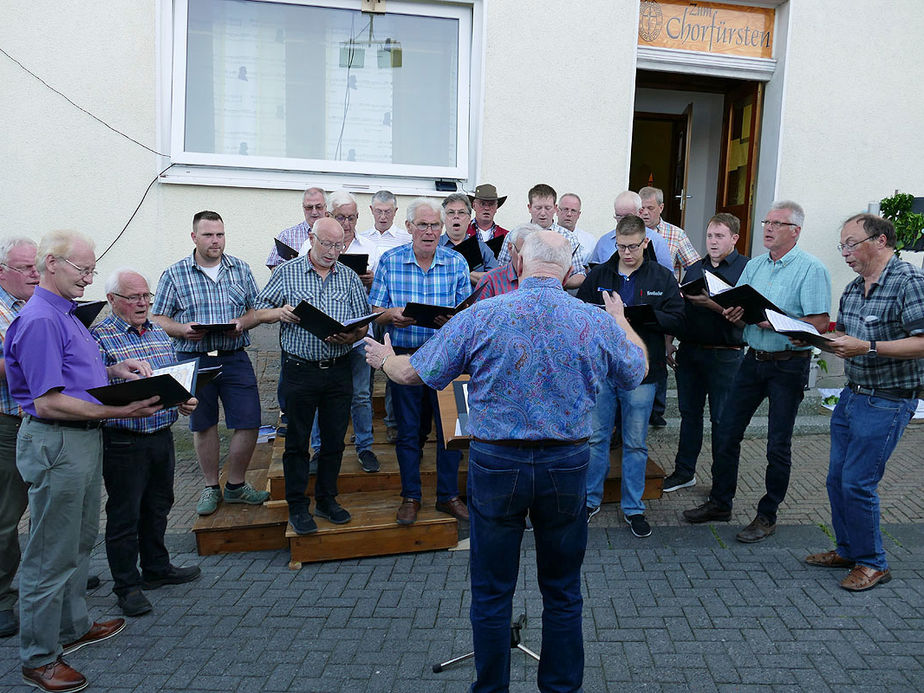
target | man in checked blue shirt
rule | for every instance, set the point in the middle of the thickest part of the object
(423, 272)
(212, 288)
(773, 368)
(317, 376)
(138, 454)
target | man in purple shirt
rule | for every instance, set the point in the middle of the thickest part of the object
(530, 419)
(51, 362)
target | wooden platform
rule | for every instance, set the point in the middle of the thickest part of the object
(372, 500)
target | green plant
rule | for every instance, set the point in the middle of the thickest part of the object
(908, 225)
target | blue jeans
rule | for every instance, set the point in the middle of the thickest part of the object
(783, 383)
(415, 405)
(360, 406)
(701, 372)
(635, 406)
(864, 432)
(503, 484)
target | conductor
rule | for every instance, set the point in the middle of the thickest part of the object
(535, 356)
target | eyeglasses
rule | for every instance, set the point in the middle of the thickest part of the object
(777, 225)
(83, 271)
(314, 208)
(435, 226)
(26, 271)
(631, 248)
(135, 298)
(330, 245)
(340, 218)
(851, 245)
(456, 213)
(383, 212)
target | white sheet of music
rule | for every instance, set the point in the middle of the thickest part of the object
(784, 323)
(715, 284)
(458, 424)
(181, 372)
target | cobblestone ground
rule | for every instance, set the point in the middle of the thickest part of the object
(687, 609)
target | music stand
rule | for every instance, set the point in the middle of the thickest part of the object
(515, 644)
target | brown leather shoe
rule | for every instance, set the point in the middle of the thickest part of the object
(97, 633)
(455, 507)
(759, 529)
(862, 577)
(407, 513)
(57, 677)
(829, 559)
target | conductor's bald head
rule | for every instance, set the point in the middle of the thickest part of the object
(545, 254)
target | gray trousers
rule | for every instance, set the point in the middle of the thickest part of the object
(12, 505)
(63, 468)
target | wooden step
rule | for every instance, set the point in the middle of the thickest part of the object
(373, 531)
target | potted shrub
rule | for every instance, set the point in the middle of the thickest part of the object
(909, 225)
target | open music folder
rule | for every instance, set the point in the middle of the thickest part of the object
(86, 311)
(746, 296)
(798, 329)
(322, 326)
(425, 314)
(286, 252)
(174, 384)
(471, 251)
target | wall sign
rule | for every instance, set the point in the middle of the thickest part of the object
(707, 27)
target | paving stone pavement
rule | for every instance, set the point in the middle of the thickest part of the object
(689, 609)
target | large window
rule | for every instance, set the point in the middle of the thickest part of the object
(323, 87)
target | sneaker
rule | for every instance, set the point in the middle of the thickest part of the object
(639, 525)
(331, 510)
(591, 511)
(173, 576)
(675, 481)
(134, 603)
(302, 523)
(208, 501)
(369, 462)
(246, 494)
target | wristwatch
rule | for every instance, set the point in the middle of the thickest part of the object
(872, 348)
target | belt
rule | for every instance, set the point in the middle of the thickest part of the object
(80, 425)
(228, 352)
(136, 434)
(719, 346)
(11, 418)
(896, 394)
(779, 355)
(540, 443)
(323, 364)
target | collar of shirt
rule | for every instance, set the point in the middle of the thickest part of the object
(123, 325)
(789, 257)
(411, 258)
(64, 305)
(726, 261)
(223, 261)
(309, 266)
(540, 283)
(9, 301)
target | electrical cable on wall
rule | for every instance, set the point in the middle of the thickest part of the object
(115, 130)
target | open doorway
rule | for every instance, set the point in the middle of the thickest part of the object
(697, 138)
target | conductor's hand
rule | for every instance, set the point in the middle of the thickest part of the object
(376, 351)
(187, 407)
(614, 305)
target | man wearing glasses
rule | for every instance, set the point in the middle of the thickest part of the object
(18, 279)
(457, 211)
(211, 287)
(385, 232)
(314, 207)
(138, 454)
(51, 361)
(342, 208)
(880, 334)
(638, 281)
(773, 368)
(422, 272)
(316, 375)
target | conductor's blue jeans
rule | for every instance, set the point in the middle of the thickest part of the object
(864, 432)
(503, 484)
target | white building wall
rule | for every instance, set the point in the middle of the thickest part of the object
(559, 85)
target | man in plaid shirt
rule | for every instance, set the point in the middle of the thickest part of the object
(138, 454)
(212, 288)
(880, 334)
(503, 279)
(314, 207)
(421, 272)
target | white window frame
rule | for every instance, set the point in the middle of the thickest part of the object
(291, 173)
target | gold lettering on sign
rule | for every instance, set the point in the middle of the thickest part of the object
(707, 27)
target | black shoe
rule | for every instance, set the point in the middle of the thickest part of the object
(657, 421)
(710, 511)
(591, 511)
(369, 462)
(639, 525)
(173, 576)
(759, 529)
(134, 603)
(8, 624)
(303, 523)
(331, 510)
(281, 431)
(676, 481)
(92, 582)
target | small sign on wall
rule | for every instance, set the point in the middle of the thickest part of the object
(707, 27)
